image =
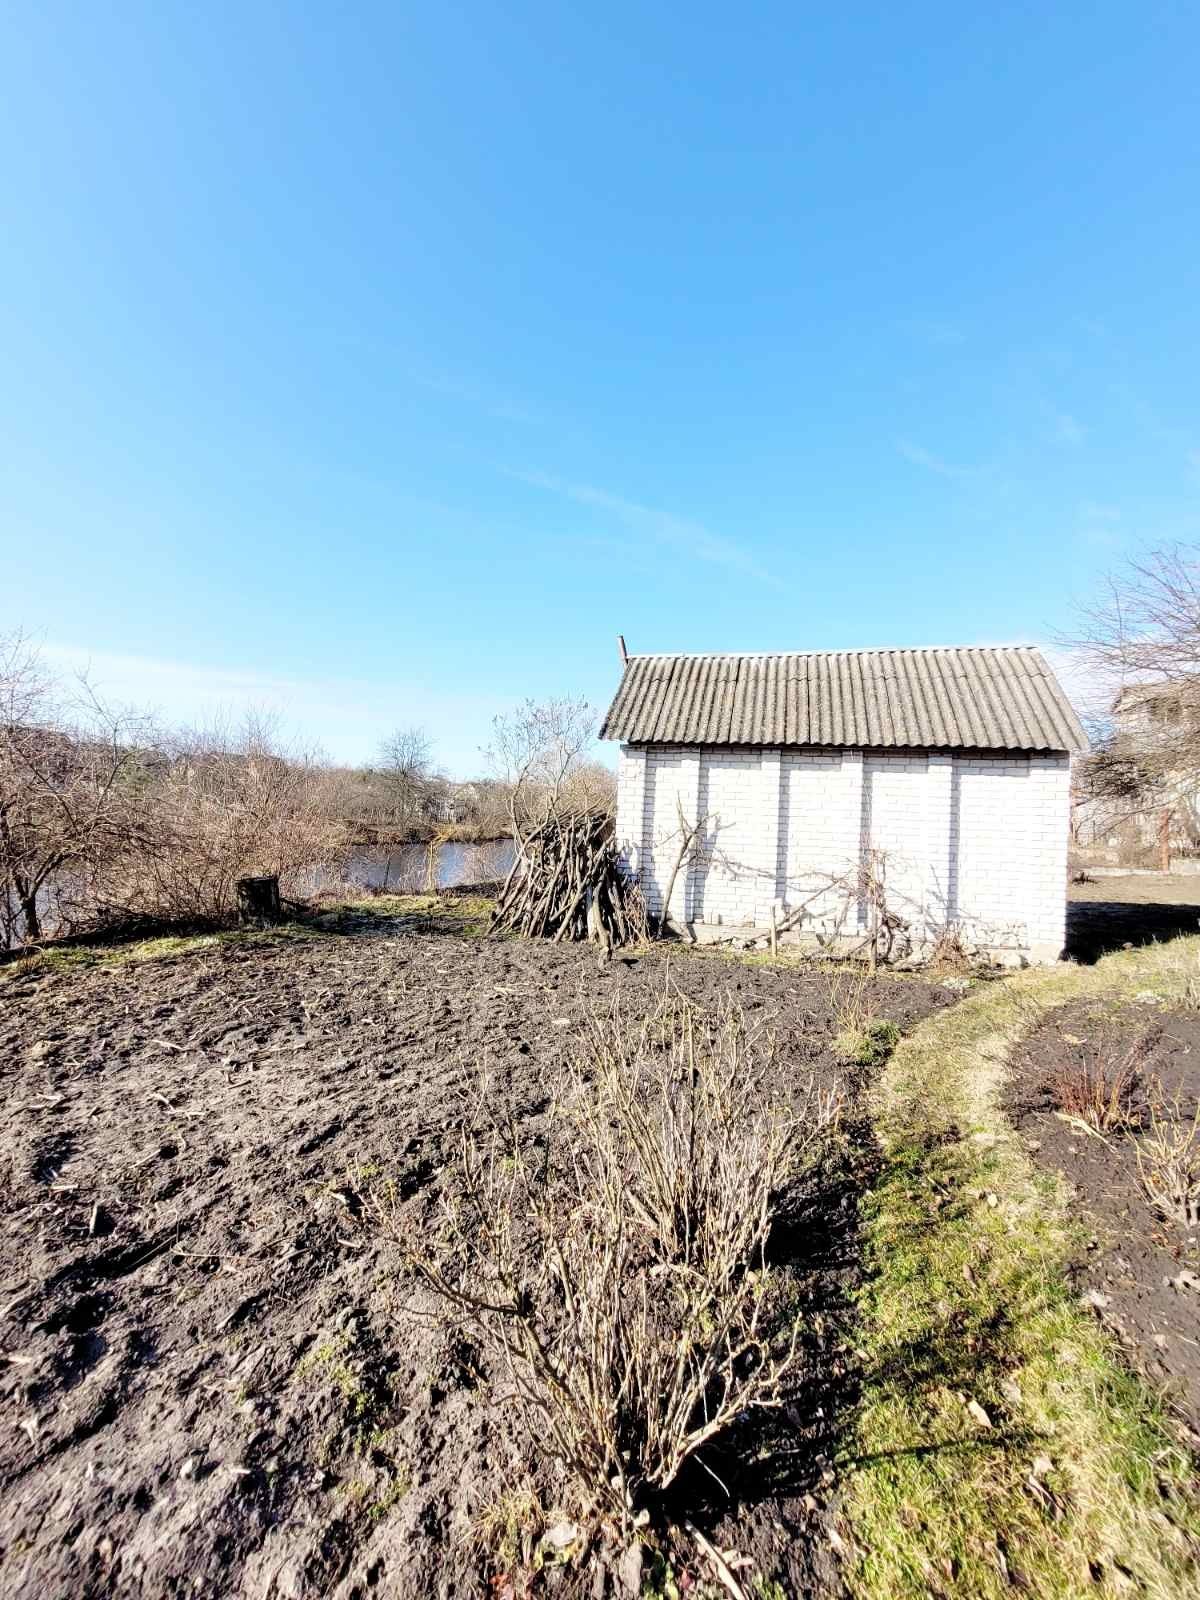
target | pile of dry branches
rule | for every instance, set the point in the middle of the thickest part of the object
(567, 882)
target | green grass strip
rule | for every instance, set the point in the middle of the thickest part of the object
(75, 957)
(1001, 1445)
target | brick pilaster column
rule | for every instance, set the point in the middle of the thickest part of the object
(939, 844)
(689, 794)
(631, 807)
(858, 826)
(770, 773)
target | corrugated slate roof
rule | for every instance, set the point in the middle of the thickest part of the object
(976, 699)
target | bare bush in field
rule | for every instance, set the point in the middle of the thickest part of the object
(70, 777)
(621, 1279)
(1168, 1158)
(1097, 1083)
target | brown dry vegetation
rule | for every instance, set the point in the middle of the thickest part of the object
(108, 820)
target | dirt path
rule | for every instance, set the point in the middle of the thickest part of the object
(210, 1383)
(1106, 914)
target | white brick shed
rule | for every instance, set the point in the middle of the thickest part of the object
(950, 767)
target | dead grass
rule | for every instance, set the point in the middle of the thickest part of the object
(860, 1037)
(1001, 1444)
(457, 913)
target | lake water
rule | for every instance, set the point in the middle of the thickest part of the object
(404, 869)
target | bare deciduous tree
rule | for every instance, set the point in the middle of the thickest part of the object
(590, 786)
(67, 806)
(1142, 643)
(406, 759)
(536, 752)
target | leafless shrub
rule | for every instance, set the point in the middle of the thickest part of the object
(622, 1280)
(1168, 1158)
(225, 803)
(1098, 1082)
(693, 847)
(948, 951)
(71, 772)
(849, 998)
(859, 894)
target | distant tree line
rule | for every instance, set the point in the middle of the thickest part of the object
(105, 817)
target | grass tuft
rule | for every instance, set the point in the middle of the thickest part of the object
(867, 1046)
(1000, 1442)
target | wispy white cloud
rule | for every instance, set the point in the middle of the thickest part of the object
(1101, 538)
(1099, 526)
(1064, 428)
(925, 459)
(665, 528)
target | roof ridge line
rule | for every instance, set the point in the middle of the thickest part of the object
(859, 650)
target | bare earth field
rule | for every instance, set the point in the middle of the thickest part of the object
(212, 1380)
(1106, 913)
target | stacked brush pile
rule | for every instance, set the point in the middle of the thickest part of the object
(568, 883)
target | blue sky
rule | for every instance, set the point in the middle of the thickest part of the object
(382, 363)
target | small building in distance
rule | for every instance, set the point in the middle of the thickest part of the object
(935, 780)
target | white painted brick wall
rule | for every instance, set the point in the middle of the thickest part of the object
(735, 875)
(894, 788)
(820, 833)
(975, 841)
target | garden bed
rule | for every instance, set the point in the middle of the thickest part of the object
(1141, 1271)
(212, 1376)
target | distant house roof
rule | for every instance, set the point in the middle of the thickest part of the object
(978, 699)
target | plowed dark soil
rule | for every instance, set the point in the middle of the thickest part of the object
(212, 1383)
